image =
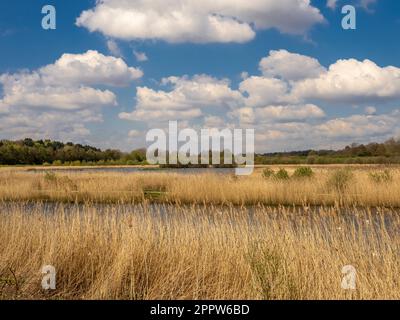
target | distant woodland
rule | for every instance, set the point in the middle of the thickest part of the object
(48, 152)
(373, 153)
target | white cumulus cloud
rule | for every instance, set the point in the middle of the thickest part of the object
(270, 114)
(352, 81)
(359, 126)
(56, 101)
(290, 66)
(90, 68)
(185, 100)
(262, 91)
(198, 21)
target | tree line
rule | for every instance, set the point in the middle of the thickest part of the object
(48, 152)
(372, 153)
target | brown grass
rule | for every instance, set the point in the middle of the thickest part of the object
(360, 190)
(177, 252)
(107, 241)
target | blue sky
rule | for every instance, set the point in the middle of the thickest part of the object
(211, 70)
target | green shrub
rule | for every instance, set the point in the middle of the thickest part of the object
(50, 176)
(57, 163)
(311, 159)
(269, 270)
(303, 172)
(282, 174)
(340, 179)
(268, 173)
(381, 177)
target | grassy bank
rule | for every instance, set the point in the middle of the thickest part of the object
(356, 186)
(197, 253)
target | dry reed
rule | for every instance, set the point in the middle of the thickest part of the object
(197, 252)
(321, 189)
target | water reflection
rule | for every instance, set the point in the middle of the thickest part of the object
(136, 170)
(369, 221)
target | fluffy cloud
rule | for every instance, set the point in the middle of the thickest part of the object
(57, 100)
(277, 114)
(64, 126)
(293, 78)
(198, 21)
(333, 133)
(154, 116)
(185, 100)
(202, 91)
(361, 126)
(90, 68)
(60, 98)
(290, 66)
(280, 102)
(362, 3)
(297, 124)
(352, 81)
(262, 91)
(140, 56)
(66, 84)
(284, 93)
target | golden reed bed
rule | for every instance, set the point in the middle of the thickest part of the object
(107, 241)
(359, 189)
(178, 252)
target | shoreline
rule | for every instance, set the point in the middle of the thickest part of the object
(257, 166)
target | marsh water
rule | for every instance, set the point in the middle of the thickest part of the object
(317, 218)
(135, 170)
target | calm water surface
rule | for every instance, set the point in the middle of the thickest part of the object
(299, 218)
(136, 170)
